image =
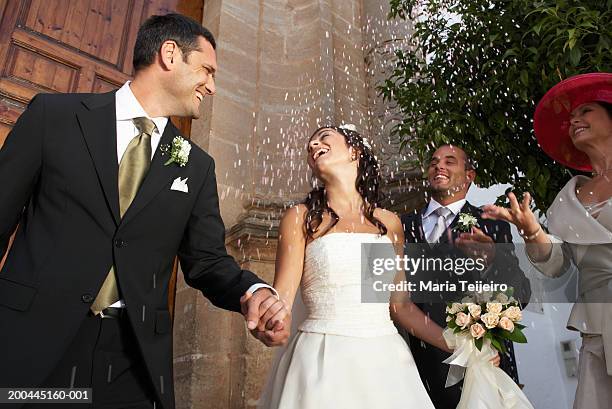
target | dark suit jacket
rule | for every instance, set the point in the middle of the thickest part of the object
(505, 269)
(59, 178)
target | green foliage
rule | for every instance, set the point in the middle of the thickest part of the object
(514, 336)
(499, 345)
(480, 67)
(478, 342)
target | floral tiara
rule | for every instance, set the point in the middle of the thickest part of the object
(351, 127)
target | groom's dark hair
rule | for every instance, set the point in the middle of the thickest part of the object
(176, 27)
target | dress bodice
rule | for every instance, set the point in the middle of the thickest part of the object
(332, 288)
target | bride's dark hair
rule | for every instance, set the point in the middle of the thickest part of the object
(367, 184)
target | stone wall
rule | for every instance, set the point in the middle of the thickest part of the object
(285, 68)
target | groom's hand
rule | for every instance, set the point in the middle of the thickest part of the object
(263, 310)
(477, 244)
(275, 337)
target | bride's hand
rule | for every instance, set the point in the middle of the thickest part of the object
(277, 336)
(519, 214)
(496, 360)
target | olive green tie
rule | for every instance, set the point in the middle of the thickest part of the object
(133, 168)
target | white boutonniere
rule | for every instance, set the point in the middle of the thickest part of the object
(179, 151)
(466, 222)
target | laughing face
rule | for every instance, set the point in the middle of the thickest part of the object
(590, 123)
(195, 78)
(327, 149)
(447, 173)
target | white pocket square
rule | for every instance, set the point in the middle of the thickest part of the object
(180, 185)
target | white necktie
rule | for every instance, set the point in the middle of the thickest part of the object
(442, 213)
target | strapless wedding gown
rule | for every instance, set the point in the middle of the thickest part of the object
(346, 354)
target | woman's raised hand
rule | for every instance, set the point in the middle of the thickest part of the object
(519, 214)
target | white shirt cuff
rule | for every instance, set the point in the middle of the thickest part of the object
(258, 286)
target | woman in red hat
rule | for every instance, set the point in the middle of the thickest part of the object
(573, 125)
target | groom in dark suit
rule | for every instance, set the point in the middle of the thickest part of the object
(105, 193)
(450, 174)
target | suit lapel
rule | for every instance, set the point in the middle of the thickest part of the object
(412, 226)
(419, 234)
(99, 127)
(159, 175)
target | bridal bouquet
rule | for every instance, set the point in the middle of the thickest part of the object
(476, 330)
(495, 318)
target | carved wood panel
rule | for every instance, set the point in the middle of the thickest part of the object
(71, 46)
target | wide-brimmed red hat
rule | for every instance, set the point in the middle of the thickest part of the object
(552, 115)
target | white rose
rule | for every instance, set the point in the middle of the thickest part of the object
(462, 320)
(502, 298)
(467, 300)
(454, 308)
(449, 318)
(490, 320)
(486, 296)
(477, 331)
(506, 323)
(475, 310)
(514, 313)
(494, 307)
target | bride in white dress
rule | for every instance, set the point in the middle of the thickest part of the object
(346, 353)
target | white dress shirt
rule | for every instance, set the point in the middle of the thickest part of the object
(127, 108)
(430, 218)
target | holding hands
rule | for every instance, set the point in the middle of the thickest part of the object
(267, 317)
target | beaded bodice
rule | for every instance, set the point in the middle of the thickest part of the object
(332, 286)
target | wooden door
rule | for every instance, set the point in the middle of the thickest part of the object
(72, 46)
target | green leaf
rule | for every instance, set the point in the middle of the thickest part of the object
(575, 55)
(537, 28)
(498, 345)
(514, 336)
(478, 343)
(524, 77)
(511, 52)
